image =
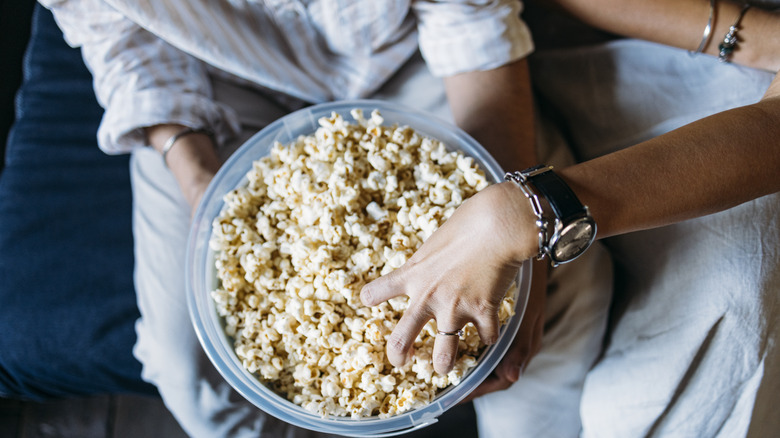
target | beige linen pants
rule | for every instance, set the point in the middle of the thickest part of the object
(692, 348)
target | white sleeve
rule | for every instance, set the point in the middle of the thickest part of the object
(458, 36)
(139, 79)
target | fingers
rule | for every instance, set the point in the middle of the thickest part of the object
(445, 347)
(445, 350)
(515, 360)
(526, 343)
(509, 369)
(383, 288)
(401, 342)
(524, 347)
(488, 327)
(453, 298)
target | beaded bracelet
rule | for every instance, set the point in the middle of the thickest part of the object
(186, 131)
(730, 40)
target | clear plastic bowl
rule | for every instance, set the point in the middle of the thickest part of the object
(201, 273)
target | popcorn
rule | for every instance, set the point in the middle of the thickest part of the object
(318, 219)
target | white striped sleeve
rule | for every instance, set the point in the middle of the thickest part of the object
(139, 79)
(461, 36)
(242, 38)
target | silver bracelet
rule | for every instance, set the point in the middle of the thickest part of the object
(541, 222)
(175, 137)
(705, 38)
(730, 40)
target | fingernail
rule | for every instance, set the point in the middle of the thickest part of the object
(365, 297)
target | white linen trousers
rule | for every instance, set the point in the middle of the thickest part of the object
(692, 342)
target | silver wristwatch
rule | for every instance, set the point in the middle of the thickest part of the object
(573, 228)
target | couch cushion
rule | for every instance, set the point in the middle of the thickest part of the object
(67, 303)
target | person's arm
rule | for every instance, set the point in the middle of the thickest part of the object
(707, 166)
(493, 103)
(759, 38)
(150, 90)
(495, 106)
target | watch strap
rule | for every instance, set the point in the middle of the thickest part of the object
(558, 194)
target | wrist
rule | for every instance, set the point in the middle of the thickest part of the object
(566, 230)
(757, 40)
(519, 213)
(762, 39)
(194, 165)
(158, 135)
(192, 160)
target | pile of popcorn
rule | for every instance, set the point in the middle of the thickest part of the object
(318, 219)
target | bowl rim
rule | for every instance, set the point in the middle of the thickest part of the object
(206, 322)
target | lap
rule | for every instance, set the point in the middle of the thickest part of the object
(545, 401)
(692, 332)
(166, 339)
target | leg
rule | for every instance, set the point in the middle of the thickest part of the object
(693, 335)
(692, 340)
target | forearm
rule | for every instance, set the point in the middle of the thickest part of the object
(707, 166)
(681, 23)
(496, 108)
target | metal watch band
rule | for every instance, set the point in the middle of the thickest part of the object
(536, 206)
(572, 230)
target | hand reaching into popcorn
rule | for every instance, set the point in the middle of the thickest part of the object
(444, 281)
(497, 224)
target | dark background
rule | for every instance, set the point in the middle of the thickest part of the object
(15, 18)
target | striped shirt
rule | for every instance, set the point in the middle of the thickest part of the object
(152, 60)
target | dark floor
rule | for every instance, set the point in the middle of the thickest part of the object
(114, 416)
(93, 417)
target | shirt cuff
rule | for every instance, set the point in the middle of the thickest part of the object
(122, 127)
(478, 43)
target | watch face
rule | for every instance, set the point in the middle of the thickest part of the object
(573, 240)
